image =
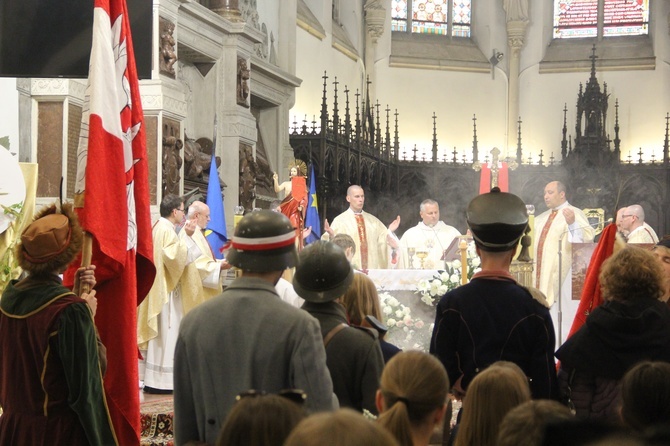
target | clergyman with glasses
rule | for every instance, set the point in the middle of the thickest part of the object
(159, 314)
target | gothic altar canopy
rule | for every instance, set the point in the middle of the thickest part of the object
(365, 148)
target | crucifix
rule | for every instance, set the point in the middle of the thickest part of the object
(495, 153)
(493, 165)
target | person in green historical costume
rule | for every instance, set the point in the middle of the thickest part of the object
(51, 374)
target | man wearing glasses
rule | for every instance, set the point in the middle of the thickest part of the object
(159, 314)
(633, 224)
(203, 276)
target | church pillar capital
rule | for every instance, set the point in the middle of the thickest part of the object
(516, 33)
(375, 17)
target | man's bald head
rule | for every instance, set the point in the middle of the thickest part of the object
(636, 209)
(355, 197)
(632, 218)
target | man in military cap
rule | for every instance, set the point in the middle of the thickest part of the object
(493, 318)
(247, 338)
(353, 354)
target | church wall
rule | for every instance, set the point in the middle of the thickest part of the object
(351, 19)
(201, 99)
(314, 57)
(455, 96)
(268, 14)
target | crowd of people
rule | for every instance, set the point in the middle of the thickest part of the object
(271, 361)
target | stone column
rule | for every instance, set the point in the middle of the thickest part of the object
(375, 16)
(228, 9)
(50, 113)
(516, 31)
(236, 125)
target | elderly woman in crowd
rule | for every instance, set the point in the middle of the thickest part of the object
(631, 325)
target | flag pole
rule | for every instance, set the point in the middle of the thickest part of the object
(86, 255)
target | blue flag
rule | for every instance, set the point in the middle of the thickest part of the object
(216, 229)
(312, 215)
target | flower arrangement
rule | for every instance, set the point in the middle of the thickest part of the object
(431, 290)
(403, 329)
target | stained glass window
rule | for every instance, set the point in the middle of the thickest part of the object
(429, 16)
(432, 16)
(579, 18)
(462, 9)
(398, 15)
(626, 17)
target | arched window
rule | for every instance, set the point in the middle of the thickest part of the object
(600, 18)
(442, 17)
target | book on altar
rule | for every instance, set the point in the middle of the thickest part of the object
(453, 252)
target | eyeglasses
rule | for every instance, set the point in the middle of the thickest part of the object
(295, 395)
(180, 210)
(628, 215)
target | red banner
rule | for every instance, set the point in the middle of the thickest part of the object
(112, 200)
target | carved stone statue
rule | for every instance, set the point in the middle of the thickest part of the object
(517, 10)
(248, 173)
(249, 12)
(262, 49)
(167, 46)
(243, 75)
(197, 160)
(171, 164)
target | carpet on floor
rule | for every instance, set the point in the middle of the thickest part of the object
(156, 419)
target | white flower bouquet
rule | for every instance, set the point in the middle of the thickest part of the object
(403, 328)
(431, 290)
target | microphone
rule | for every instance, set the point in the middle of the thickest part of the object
(590, 225)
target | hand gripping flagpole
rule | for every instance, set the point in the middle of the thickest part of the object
(86, 255)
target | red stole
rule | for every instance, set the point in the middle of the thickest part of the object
(540, 245)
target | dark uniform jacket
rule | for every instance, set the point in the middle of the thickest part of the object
(616, 336)
(353, 356)
(495, 319)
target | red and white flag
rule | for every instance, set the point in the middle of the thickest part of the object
(112, 201)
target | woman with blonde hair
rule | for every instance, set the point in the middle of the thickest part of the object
(412, 397)
(362, 300)
(492, 393)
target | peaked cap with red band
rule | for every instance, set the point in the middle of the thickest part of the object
(263, 241)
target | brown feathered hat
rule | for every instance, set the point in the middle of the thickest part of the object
(51, 241)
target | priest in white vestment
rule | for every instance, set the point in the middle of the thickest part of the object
(633, 224)
(561, 222)
(159, 314)
(373, 239)
(430, 235)
(203, 277)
